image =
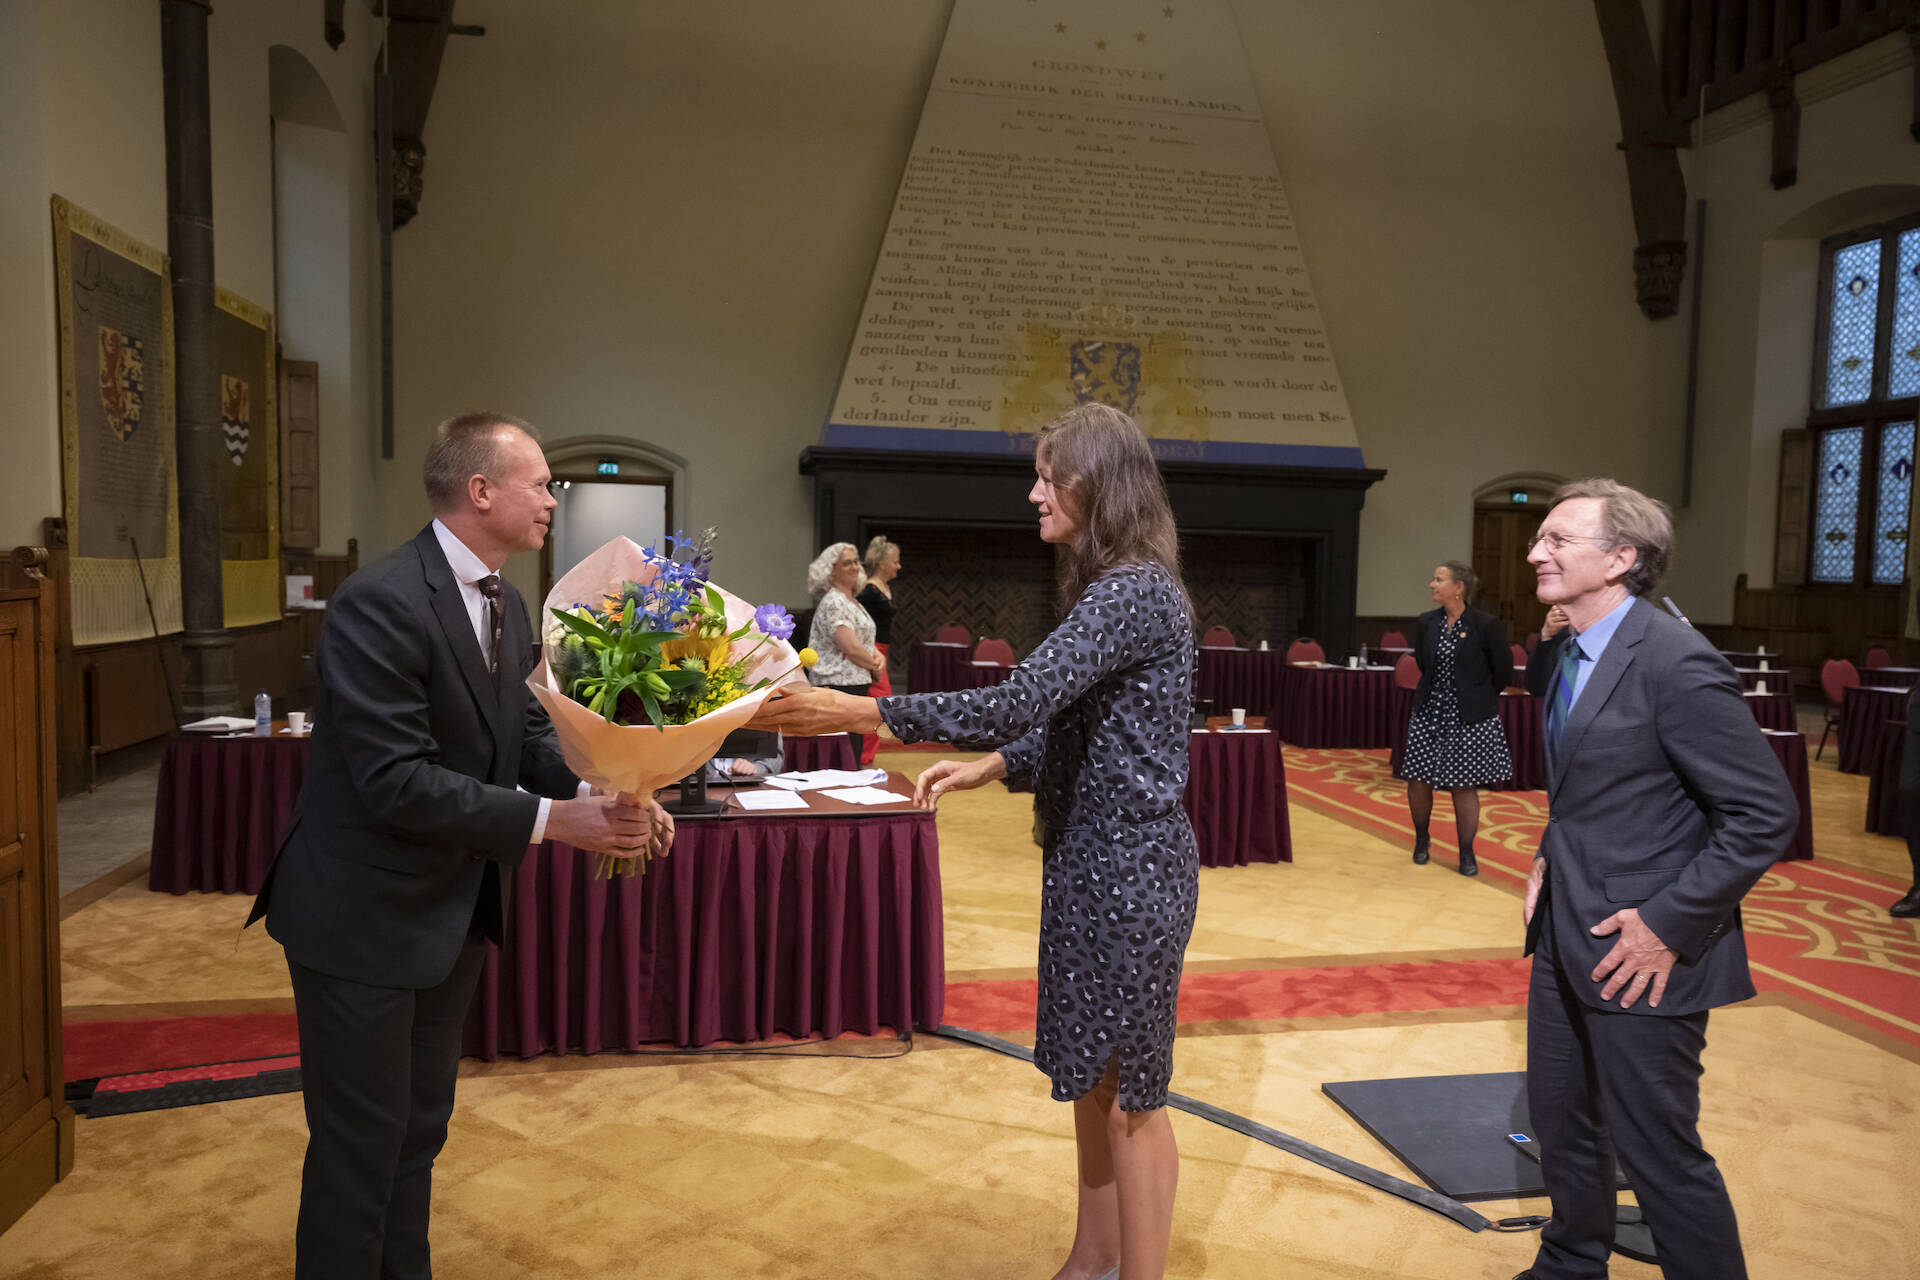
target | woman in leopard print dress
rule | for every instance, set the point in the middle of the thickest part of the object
(1096, 718)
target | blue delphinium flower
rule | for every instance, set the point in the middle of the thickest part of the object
(773, 620)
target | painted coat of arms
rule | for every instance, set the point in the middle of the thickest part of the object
(236, 416)
(1105, 371)
(123, 381)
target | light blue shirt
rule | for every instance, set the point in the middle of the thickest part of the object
(1593, 643)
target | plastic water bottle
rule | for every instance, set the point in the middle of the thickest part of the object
(1363, 653)
(262, 715)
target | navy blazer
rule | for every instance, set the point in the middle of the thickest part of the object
(1482, 662)
(409, 821)
(1664, 796)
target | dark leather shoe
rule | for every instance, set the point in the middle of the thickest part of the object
(1908, 906)
(1469, 865)
(1420, 851)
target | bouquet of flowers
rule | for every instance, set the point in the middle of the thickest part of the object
(647, 665)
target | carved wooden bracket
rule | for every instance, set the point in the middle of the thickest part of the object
(1784, 103)
(31, 561)
(1654, 181)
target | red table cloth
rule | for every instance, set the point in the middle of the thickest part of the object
(828, 751)
(1778, 681)
(1245, 678)
(1791, 749)
(755, 926)
(1861, 710)
(1889, 677)
(1337, 707)
(1519, 720)
(1237, 798)
(1774, 709)
(1888, 743)
(980, 675)
(221, 805)
(934, 667)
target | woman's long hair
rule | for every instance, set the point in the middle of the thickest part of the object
(1103, 467)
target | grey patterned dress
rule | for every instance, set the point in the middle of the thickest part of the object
(1096, 717)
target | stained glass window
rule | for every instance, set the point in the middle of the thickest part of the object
(1903, 364)
(1855, 306)
(1895, 497)
(1836, 504)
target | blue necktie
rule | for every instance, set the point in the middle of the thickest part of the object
(1560, 698)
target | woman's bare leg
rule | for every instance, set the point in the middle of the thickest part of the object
(1146, 1165)
(1096, 1228)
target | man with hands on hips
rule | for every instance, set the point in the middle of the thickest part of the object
(432, 769)
(1666, 805)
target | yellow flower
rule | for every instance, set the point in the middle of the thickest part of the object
(807, 657)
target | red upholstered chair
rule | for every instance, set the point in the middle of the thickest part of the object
(1837, 675)
(953, 633)
(1305, 650)
(1533, 642)
(994, 650)
(1217, 638)
(1519, 658)
(1392, 640)
(1406, 672)
(1878, 657)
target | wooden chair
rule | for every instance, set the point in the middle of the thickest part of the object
(1878, 657)
(953, 633)
(1519, 660)
(1837, 675)
(1218, 638)
(994, 650)
(1392, 640)
(1306, 650)
(1406, 672)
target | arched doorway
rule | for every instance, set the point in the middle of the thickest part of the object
(1507, 512)
(608, 486)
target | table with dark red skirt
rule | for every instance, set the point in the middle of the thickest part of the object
(980, 675)
(827, 751)
(1777, 681)
(1862, 709)
(761, 924)
(1890, 677)
(1245, 678)
(221, 805)
(1774, 709)
(1237, 796)
(1519, 720)
(1791, 750)
(934, 666)
(1885, 747)
(1336, 706)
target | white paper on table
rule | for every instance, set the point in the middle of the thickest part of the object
(865, 795)
(223, 724)
(819, 778)
(769, 800)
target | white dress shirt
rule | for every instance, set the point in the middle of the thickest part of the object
(468, 569)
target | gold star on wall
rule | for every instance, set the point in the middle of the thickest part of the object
(1141, 36)
(1099, 44)
(1061, 27)
(1168, 11)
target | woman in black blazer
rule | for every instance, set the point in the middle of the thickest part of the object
(1454, 740)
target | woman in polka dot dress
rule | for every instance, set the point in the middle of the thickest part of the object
(1455, 740)
(1096, 716)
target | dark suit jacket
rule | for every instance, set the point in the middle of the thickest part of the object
(1482, 662)
(408, 822)
(1665, 797)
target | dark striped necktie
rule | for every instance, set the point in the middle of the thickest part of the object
(490, 588)
(1560, 702)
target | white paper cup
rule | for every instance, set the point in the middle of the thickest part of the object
(1239, 717)
(1353, 664)
(297, 721)
(1263, 646)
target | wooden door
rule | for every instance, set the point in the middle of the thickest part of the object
(1500, 539)
(299, 454)
(36, 1125)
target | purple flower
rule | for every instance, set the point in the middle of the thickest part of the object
(773, 620)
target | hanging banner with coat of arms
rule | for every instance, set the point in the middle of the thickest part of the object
(115, 304)
(249, 486)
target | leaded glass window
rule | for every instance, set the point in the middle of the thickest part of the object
(1836, 504)
(1903, 364)
(1855, 306)
(1892, 504)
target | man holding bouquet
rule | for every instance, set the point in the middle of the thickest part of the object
(432, 771)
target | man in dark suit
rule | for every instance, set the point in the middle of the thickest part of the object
(432, 770)
(1665, 807)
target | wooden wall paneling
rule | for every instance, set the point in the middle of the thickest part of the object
(1794, 507)
(299, 454)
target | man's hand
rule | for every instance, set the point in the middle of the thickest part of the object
(620, 826)
(1556, 621)
(660, 823)
(1535, 879)
(1638, 959)
(943, 776)
(742, 769)
(804, 711)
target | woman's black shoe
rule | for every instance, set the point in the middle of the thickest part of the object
(1906, 908)
(1468, 865)
(1420, 851)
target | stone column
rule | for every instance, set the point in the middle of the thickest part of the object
(207, 684)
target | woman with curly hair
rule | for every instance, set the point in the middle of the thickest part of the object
(842, 632)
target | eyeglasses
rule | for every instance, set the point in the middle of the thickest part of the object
(1558, 542)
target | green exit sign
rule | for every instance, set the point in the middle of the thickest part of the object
(608, 467)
